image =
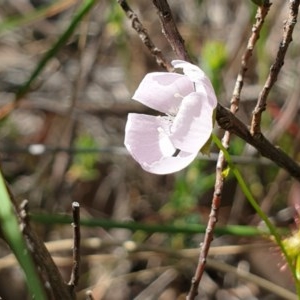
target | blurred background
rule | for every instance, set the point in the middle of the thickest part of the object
(64, 143)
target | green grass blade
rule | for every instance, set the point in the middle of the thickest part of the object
(150, 228)
(11, 232)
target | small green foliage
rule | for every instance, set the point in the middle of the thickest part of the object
(189, 187)
(214, 54)
(214, 57)
(114, 21)
(83, 166)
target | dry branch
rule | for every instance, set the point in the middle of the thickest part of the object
(276, 67)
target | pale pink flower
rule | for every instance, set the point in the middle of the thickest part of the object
(170, 142)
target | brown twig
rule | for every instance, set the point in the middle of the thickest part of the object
(76, 247)
(216, 201)
(261, 13)
(276, 67)
(170, 30)
(208, 238)
(142, 32)
(221, 163)
(42, 257)
(174, 38)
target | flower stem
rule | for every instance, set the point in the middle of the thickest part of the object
(255, 205)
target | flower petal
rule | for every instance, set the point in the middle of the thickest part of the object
(163, 91)
(146, 139)
(193, 124)
(151, 147)
(196, 75)
(167, 165)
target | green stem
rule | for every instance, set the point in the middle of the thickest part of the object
(150, 228)
(262, 215)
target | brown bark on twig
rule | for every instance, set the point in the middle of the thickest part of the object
(42, 257)
(142, 32)
(170, 30)
(275, 68)
(261, 13)
(76, 247)
(216, 201)
(208, 238)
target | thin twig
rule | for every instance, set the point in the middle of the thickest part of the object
(176, 41)
(261, 13)
(143, 34)
(208, 238)
(76, 247)
(42, 257)
(221, 163)
(170, 30)
(276, 67)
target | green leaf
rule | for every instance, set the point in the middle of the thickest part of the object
(84, 164)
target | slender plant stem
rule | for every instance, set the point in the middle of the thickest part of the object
(238, 230)
(76, 247)
(137, 25)
(42, 258)
(255, 205)
(170, 29)
(261, 14)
